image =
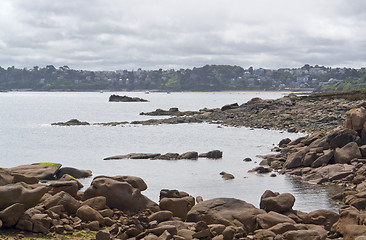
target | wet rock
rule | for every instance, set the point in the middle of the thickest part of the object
(227, 176)
(215, 154)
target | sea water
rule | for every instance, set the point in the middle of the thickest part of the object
(26, 136)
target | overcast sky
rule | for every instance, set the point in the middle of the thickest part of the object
(153, 34)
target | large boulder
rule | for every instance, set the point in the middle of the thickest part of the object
(135, 182)
(76, 173)
(20, 193)
(41, 171)
(277, 202)
(267, 220)
(87, 213)
(119, 195)
(11, 215)
(178, 206)
(339, 138)
(295, 160)
(355, 118)
(70, 204)
(347, 153)
(70, 187)
(226, 211)
(323, 217)
(351, 224)
(323, 159)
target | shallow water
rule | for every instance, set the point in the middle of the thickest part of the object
(26, 136)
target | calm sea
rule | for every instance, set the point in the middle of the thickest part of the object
(26, 136)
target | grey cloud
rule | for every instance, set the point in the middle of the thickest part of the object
(127, 34)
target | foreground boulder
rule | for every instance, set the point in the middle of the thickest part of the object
(226, 211)
(119, 195)
(178, 206)
(271, 201)
(41, 171)
(20, 193)
(355, 118)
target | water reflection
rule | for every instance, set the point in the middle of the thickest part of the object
(311, 196)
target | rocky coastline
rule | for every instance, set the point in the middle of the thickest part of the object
(289, 113)
(114, 207)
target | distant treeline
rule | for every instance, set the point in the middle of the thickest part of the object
(206, 78)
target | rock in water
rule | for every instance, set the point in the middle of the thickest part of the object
(117, 98)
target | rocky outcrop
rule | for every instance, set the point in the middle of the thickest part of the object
(215, 154)
(74, 172)
(227, 176)
(21, 193)
(41, 171)
(72, 122)
(117, 98)
(119, 194)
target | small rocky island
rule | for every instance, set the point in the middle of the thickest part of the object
(118, 98)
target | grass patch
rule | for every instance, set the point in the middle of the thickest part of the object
(351, 95)
(54, 165)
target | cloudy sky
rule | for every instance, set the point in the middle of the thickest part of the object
(153, 34)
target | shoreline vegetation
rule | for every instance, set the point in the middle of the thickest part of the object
(206, 78)
(334, 152)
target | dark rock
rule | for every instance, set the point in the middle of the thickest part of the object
(76, 173)
(215, 154)
(189, 155)
(11, 215)
(347, 153)
(278, 203)
(230, 106)
(117, 98)
(72, 122)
